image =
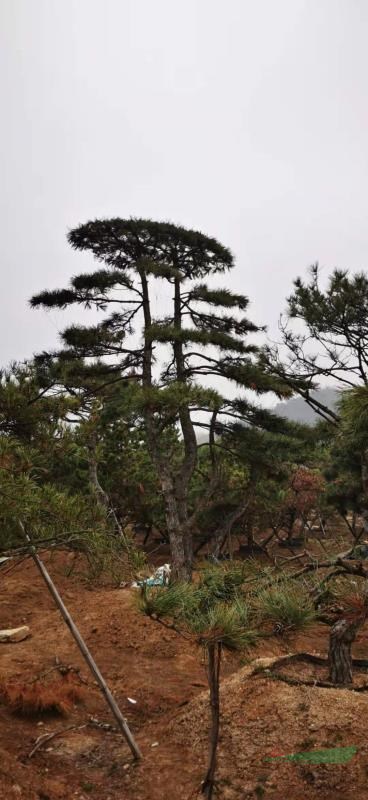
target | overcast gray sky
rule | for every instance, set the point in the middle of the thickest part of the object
(246, 119)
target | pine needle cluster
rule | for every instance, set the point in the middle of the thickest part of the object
(211, 611)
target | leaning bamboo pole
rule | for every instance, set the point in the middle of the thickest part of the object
(121, 721)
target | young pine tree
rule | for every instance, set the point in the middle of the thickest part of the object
(214, 615)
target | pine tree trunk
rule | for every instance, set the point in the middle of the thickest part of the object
(181, 565)
(214, 661)
(185, 473)
(175, 490)
(250, 531)
(101, 496)
(182, 502)
(96, 488)
(364, 478)
(342, 636)
(290, 526)
(181, 557)
(226, 526)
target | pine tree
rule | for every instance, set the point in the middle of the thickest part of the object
(329, 342)
(215, 615)
(332, 340)
(203, 333)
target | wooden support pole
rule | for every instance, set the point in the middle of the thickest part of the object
(121, 721)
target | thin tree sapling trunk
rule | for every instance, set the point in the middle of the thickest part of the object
(99, 493)
(101, 496)
(214, 652)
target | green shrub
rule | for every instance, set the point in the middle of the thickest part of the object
(171, 601)
(228, 623)
(286, 605)
(222, 582)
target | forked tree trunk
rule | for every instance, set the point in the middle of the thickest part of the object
(174, 490)
(186, 470)
(342, 636)
(214, 661)
(223, 532)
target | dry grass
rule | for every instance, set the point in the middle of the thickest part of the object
(40, 697)
(355, 606)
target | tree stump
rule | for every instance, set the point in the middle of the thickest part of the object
(342, 636)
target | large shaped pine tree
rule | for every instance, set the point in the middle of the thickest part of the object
(202, 335)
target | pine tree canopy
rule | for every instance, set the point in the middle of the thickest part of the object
(135, 253)
(340, 310)
(336, 340)
(123, 243)
(329, 339)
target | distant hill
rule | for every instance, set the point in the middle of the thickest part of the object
(297, 410)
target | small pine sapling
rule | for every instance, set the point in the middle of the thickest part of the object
(214, 615)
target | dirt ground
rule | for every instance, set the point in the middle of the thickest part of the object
(166, 676)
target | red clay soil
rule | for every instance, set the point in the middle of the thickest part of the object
(166, 677)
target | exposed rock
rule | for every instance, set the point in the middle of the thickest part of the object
(15, 634)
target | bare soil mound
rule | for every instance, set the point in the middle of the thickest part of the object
(165, 675)
(264, 719)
